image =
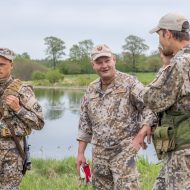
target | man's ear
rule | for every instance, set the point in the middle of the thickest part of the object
(11, 65)
(168, 34)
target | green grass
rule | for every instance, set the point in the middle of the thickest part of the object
(52, 175)
(78, 80)
(145, 78)
(61, 175)
(81, 80)
(85, 79)
(148, 173)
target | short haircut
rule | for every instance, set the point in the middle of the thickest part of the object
(180, 35)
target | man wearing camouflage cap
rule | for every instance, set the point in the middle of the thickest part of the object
(20, 112)
(169, 96)
(112, 112)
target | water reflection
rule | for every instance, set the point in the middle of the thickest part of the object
(54, 106)
(58, 138)
(61, 113)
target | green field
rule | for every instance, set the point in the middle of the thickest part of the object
(61, 175)
(83, 80)
(145, 78)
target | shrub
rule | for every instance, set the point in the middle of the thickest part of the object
(53, 76)
(37, 75)
(23, 69)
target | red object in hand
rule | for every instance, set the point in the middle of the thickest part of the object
(85, 171)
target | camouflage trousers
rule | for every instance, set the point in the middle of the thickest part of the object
(114, 168)
(10, 169)
(175, 173)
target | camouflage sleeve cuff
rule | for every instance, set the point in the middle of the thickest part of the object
(145, 124)
(84, 137)
(21, 112)
(150, 122)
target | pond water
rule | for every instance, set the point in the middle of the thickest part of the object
(57, 139)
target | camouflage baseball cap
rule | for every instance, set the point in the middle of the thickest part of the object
(101, 51)
(171, 21)
(7, 53)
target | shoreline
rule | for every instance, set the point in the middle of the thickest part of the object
(61, 87)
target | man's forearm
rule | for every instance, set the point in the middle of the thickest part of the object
(82, 147)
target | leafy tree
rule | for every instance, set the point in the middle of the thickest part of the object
(24, 55)
(154, 63)
(24, 68)
(81, 52)
(86, 47)
(75, 53)
(55, 47)
(134, 47)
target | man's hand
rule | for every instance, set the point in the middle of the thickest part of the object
(13, 103)
(138, 141)
(81, 160)
(165, 56)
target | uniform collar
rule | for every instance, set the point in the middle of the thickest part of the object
(182, 50)
(4, 81)
(113, 85)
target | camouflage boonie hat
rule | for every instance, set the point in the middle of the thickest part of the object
(172, 21)
(101, 51)
(7, 53)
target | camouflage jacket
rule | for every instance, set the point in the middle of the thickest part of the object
(171, 87)
(29, 117)
(108, 117)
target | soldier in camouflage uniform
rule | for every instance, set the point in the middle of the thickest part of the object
(111, 111)
(169, 96)
(18, 105)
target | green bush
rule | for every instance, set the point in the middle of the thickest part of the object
(54, 76)
(23, 68)
(37, 75)
(70, 68)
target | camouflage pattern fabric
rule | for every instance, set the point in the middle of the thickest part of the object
(171, 91)
(112, 116)
(10, 169)
(28, 118)
(175, 174)
(114, 168)
(171, 87)
(109, 117)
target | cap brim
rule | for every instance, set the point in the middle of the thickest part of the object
(101, 55)
(6, 57)
(156, 29)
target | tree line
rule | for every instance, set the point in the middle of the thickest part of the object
(131, 59)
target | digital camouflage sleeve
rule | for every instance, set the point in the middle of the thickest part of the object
(171, 88)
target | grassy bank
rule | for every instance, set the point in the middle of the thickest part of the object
(61, 175)
(145, 78)
(85, 79)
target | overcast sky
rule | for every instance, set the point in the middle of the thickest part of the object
(25, 23)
